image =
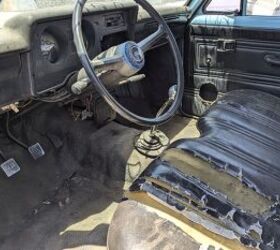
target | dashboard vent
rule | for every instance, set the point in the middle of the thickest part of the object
(114, 20)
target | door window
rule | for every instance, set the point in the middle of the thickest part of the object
(263, 7)
(223, 6)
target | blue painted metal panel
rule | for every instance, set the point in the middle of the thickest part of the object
(251, 22)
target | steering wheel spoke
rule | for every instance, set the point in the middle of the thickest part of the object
(131, 62)
(152, 39)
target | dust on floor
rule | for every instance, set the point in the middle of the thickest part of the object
(78, 215)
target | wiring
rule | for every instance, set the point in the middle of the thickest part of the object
(60, 95)
(11, 136)
(2, 155)
(26, 111)
(63, 95)
(26, 104)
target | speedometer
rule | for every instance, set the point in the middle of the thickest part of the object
(49, 47)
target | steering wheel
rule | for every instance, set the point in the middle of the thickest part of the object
(133, 55)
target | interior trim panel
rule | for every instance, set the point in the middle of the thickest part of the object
(230, 53)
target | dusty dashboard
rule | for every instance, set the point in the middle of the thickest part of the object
(37, 51)
(54, 55)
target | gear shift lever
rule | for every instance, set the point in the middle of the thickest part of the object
(172, 95)
(151, 143)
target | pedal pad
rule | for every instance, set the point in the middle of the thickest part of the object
(10, 167)
(36, 151)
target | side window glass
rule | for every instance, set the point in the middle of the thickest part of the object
(263, 7)
(223, 6)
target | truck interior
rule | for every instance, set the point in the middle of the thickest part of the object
(146, 124)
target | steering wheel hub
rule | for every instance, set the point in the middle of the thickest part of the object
(134, 55)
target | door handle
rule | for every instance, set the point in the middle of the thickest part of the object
(272, 59)
(225, 45)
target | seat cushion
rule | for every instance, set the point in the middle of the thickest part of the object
(240, 134)
(135, 227)
(230, 175)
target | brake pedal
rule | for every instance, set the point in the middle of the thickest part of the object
(10, 167)
(36, 151)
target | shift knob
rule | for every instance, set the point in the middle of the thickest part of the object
(172, 92)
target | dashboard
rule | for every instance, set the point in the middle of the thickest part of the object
(37, 49)
(54, 54)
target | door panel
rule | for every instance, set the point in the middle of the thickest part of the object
(228, 53)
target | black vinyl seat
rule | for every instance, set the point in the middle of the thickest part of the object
(240, 142)
(240, 134)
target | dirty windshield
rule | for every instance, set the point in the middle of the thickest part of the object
(25, 5)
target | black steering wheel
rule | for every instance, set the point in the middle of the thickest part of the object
(133, 54)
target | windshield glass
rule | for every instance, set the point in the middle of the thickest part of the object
(25, 5)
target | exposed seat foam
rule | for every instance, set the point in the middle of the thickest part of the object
(240, 134)
(135, 227)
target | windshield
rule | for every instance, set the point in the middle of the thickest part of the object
(25, 5)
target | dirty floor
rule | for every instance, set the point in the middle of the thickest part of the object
(67, 199)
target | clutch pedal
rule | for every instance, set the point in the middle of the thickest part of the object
(35, 150)
(10, 167)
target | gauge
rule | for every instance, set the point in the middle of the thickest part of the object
(49, 47)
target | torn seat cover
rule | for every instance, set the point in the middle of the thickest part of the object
(228, 180)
